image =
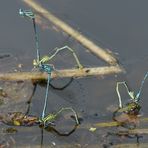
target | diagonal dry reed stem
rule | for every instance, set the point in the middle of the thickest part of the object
(72, 32)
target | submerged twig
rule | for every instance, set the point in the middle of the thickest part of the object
(132, 145)
(96, 71)
(115, 123)
(72, 32)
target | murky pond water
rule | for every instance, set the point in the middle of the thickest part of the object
(120, 26)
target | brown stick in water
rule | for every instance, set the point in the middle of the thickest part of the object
(72, 32)
(96, 71)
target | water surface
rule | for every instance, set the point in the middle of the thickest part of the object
(120, 26)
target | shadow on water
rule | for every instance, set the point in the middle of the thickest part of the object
(94, 99)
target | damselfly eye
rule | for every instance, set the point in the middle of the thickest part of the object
(35, 63)
(21, 12)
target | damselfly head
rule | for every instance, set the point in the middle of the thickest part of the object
(35, 63)
(21, 12)
(26, 13)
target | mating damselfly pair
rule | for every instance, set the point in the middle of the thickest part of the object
(42, 62)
